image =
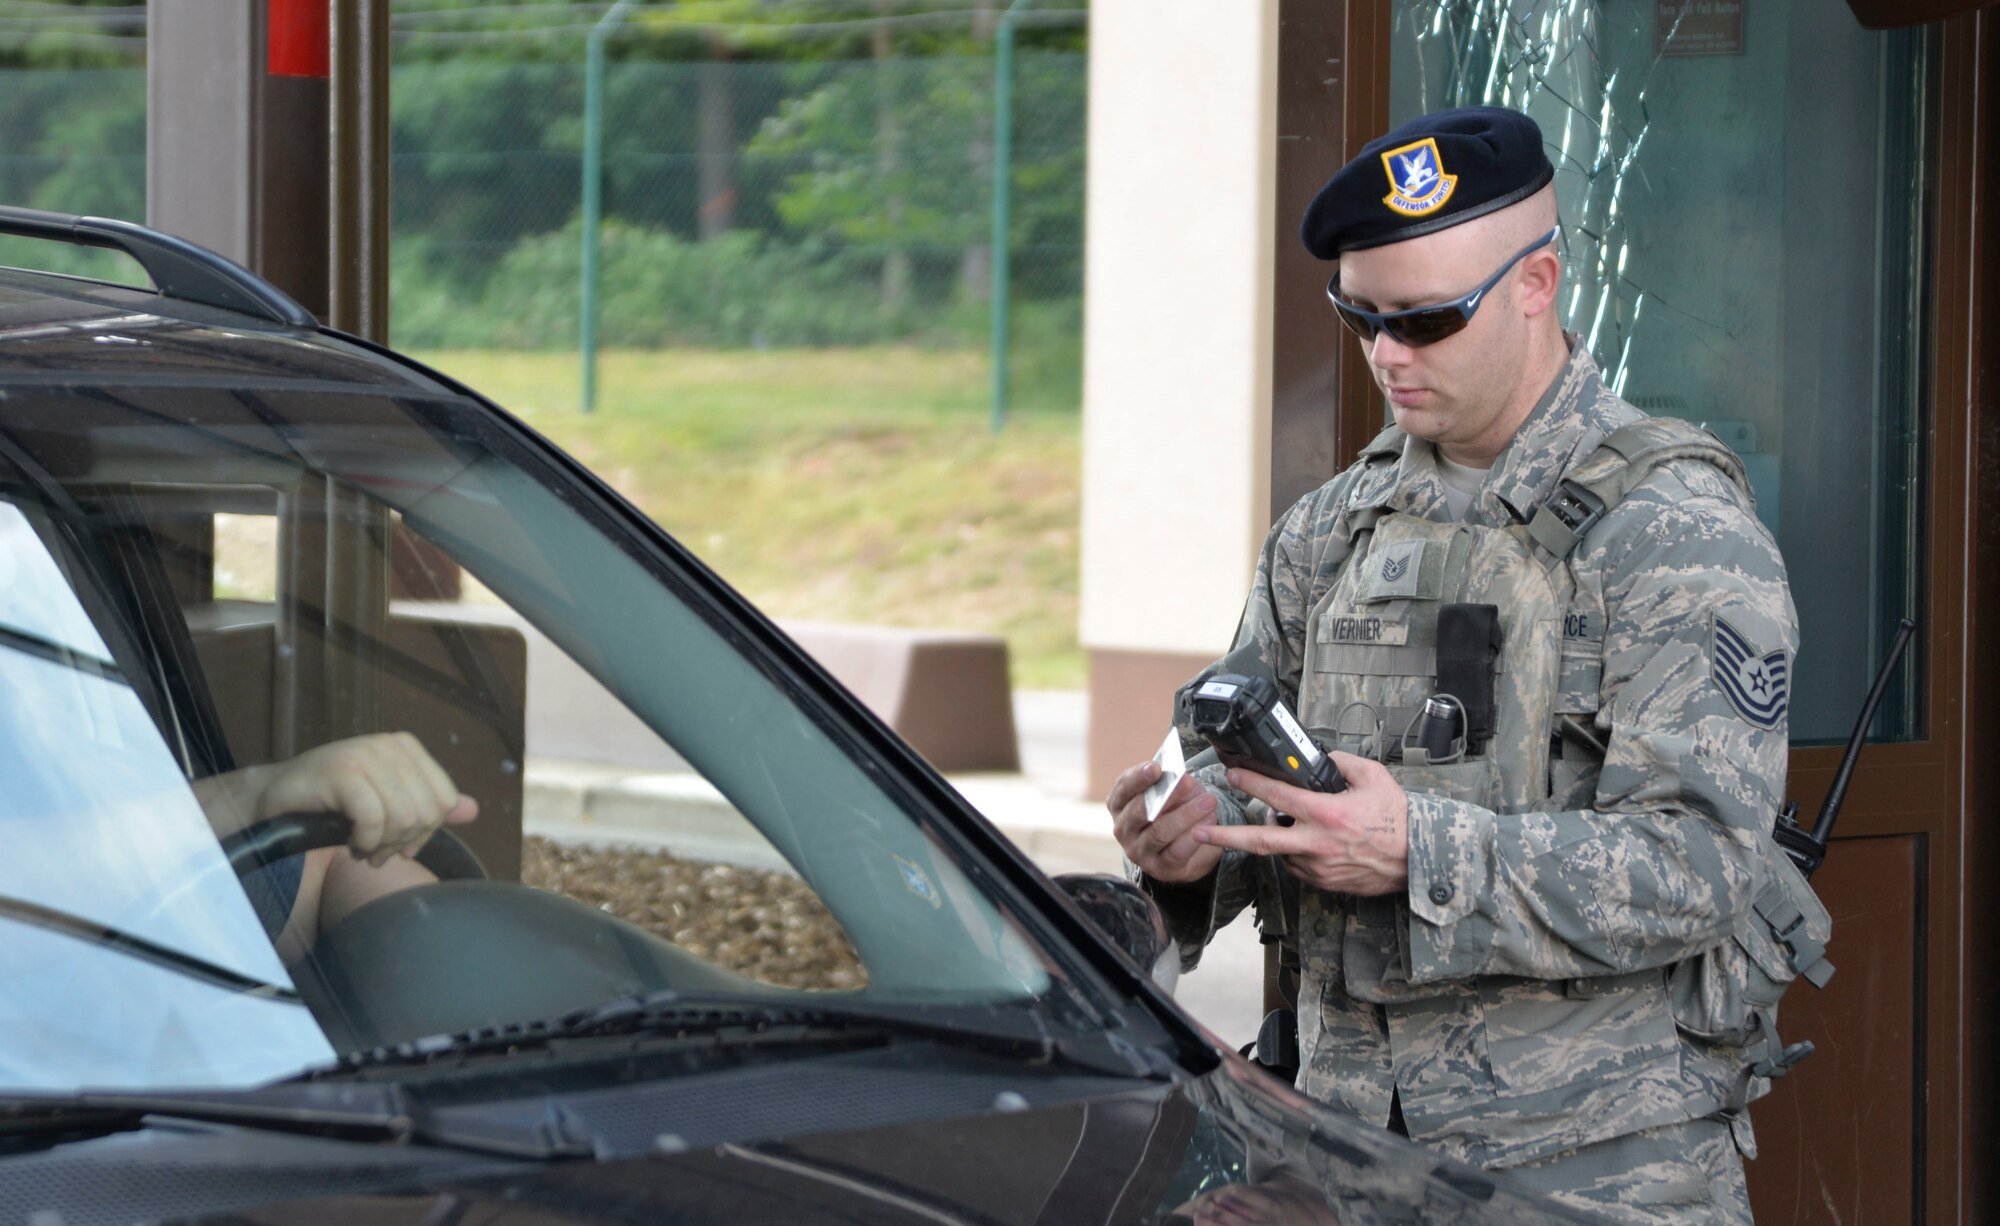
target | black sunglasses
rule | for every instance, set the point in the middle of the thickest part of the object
(1426, 325)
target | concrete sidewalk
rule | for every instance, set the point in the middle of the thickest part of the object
(1041, 809)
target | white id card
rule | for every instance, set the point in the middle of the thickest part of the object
(1172, 766)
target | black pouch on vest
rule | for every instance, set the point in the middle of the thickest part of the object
(1468, 648)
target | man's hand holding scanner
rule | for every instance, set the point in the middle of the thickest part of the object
(1166, 847)
(1351, 842)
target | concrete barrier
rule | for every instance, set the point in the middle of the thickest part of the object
(944, 692)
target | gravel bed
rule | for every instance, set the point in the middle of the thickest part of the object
(765, 925)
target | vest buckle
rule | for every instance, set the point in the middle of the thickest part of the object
(1560, 522)
(1575, 506)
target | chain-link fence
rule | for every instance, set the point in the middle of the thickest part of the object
(761, 186)
(744, 204)
(75, 143)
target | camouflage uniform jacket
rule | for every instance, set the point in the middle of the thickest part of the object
(1516, 995)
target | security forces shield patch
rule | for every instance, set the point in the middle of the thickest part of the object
(1757, 684)
(1417, 181)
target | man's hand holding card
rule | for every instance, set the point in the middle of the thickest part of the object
(1173, 765)
(1155, 809)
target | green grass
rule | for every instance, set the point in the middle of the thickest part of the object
(858, 485)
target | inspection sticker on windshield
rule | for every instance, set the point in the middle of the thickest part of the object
(918, 882)
(1172, 766)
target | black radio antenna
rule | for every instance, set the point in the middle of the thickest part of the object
(1808, 848)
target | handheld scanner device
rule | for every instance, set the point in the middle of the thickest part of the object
(1250, 727)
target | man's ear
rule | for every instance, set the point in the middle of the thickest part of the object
(1541, 277)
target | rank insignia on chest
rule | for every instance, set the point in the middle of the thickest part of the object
(1757, 683)
(1399, 571)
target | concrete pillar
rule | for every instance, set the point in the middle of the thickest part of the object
(203, 64)
(236, 144)
(1178, 350)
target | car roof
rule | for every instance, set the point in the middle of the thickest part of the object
(62, 329)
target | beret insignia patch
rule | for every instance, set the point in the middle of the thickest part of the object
(1440, 169)
(1417, 181)
(1758, 684)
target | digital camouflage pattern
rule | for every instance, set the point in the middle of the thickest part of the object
(1315, 1172)
(1614, 834)
(1686, 1172)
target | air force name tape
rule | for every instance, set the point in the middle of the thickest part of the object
(1758, 684)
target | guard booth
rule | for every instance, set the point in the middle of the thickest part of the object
(1775, 225)
(314, 613)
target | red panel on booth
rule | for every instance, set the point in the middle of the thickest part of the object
(299, 38)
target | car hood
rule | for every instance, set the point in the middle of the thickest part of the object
(1232, 1146)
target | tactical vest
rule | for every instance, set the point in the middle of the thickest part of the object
(1421, 606)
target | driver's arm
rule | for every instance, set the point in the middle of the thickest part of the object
(334, 883)
(390, 788)
(386, 783)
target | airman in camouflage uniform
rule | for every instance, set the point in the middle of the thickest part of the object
(1539, 955)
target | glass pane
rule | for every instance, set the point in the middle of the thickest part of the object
(212, 591)
(91, 782)
(1743, 188)
(658, 845)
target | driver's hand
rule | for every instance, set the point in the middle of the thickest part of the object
(386, 783)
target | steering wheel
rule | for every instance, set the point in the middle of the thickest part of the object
(293, 834)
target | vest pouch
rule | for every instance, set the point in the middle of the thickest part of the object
(1371, 651)
(1374, 961)
(1373, 654)
(1550, 1038)
(1476, 780)
(1719, 993)
(1362, 696)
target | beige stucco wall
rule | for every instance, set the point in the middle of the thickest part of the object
(1177, 321)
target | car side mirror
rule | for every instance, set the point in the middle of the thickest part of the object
(1129, 917)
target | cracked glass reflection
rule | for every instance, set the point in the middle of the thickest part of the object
(1584, 77)
(1743, 186)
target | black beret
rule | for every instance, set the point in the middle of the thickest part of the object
(1433, 172)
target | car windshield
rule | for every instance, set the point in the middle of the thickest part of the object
(201, 588)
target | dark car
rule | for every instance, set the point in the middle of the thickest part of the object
(232, 541)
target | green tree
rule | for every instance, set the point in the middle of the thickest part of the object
(89, 149)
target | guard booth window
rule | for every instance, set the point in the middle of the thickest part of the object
(1744, 189)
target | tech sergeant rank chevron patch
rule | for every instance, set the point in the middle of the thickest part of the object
(1758, 684)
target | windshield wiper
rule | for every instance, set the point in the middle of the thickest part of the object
(1019, 1033)
(106, 937)
(353, 1111)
